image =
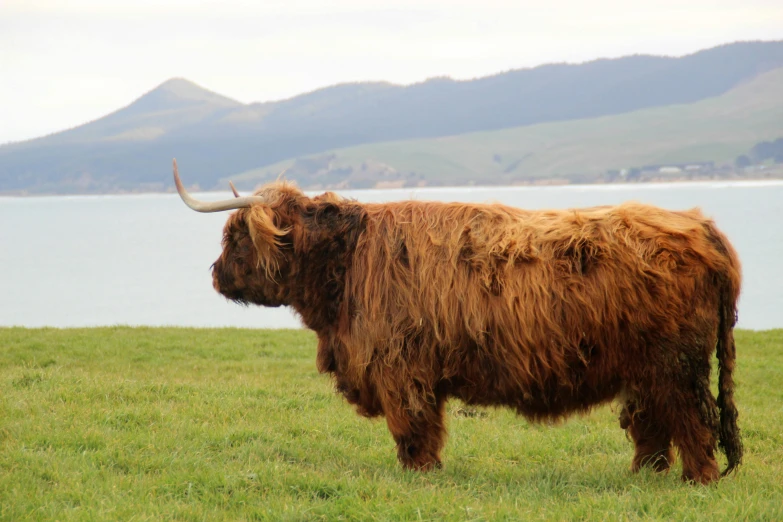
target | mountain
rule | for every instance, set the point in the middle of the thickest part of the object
(213, 136)
(713, 130)
(174, 105)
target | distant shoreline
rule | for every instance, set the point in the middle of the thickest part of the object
(653, 184)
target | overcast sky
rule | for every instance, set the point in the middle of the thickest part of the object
(65, 62)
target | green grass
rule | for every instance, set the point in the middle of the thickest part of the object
(185, 424)
(715, 129)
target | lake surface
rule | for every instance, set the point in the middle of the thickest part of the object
(145, 259)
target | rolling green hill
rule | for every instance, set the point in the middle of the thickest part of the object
(213, 136)
(711, 130)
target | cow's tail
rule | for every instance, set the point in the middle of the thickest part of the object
(729, 280)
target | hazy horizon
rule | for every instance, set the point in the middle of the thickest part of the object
(67, 63)
(347, 82)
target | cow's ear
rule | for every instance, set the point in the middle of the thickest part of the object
(328, 197)
(265, 236)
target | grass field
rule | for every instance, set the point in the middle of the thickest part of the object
(184, 424)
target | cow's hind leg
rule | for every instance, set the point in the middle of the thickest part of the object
(684, 407)
(694, 420)
(419, 433)
(651, 438)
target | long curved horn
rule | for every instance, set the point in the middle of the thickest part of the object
(234, 189)
(212, 206)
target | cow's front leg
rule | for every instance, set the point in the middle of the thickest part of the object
(419, 432)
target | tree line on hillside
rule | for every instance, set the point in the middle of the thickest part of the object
(761, 153)
(761, 156)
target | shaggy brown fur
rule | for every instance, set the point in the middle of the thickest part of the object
(547, 312)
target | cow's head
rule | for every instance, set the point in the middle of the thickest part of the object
(257, 261)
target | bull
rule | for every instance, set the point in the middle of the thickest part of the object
(549, 313)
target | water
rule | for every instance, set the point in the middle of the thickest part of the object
(145, 259)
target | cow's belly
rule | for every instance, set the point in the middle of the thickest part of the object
(546, 396)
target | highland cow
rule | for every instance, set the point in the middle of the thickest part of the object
(547, 312)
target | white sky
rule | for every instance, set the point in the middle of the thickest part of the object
(65, 62)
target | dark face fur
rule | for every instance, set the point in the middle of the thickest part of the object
(289, 249)
(248, 272)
